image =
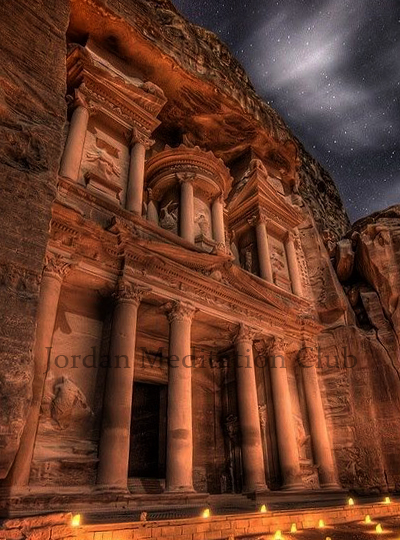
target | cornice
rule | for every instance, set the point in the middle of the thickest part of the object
(113, 95)
(175, 161)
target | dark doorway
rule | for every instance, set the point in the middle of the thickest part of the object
(148, 431)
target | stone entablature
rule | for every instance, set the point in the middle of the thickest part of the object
(155, 253)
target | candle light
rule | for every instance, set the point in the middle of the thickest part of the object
(351, 502)
(368, 519)
(379, 529)
(76, 520)
(263, 509)
(206, 513)
(278, 535)
(387, 500)
(321, 523)
(293, 528)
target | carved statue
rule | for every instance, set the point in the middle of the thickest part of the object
(169, 215)
(203, 223)
(68, 397)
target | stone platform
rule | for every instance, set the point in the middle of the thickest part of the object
(339, 522)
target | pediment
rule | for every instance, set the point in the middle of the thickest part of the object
(258, 196)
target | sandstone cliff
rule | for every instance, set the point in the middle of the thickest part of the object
(32, 88)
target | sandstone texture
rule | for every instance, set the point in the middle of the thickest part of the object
(155, 210)
(33, 114)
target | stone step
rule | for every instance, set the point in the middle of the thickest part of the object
(152, 486)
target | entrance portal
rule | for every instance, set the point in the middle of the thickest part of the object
(148, 431)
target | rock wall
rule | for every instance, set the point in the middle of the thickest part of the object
(32, 116)
(359, 351)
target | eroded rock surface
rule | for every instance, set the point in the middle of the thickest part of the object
(32, 116)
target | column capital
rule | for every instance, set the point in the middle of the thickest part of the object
(308, 356)
(56, 266)
(78, 99)
(277, 346)
(185, 177)
(126, 291)
(253, 221)
(136, 136)
(179, 311)
(244, 333)
(219, 199)
(292, 236)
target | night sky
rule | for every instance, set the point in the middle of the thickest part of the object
(331, 68)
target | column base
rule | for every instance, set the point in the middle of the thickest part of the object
(295, 486)
(260, 488)
(180, 489)
(331, 486)
(103, 488)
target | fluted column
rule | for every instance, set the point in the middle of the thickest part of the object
(319, 432)
(179, 466)
(138, 144)
(72, 155)
(186, 206)
(117, 406)
(294, 271)
(56, 268)
(285, 426)
(252, 451)
(217, 211)
(152, 211)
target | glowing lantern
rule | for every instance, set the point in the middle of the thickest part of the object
(206, 513)
(351, 502)
(379, 529)
(368, 519)
(263, 509)
(76, 520)
(387, 500)
(293, 528)
(278, 535)
(321, 523)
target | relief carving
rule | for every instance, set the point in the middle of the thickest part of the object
(68, 401)
(169, 216)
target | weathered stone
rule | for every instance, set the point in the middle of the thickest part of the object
(174, 189)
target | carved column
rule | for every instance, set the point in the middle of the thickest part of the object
(294, 271)
(179, 466)
(72, 156)
(264, 257)
(56, 268)
(117, 407)
(252, 451)
(152, 211)
(319, 432)
(218, 224)
(186, 206)
(285, 426)
(138, 143)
